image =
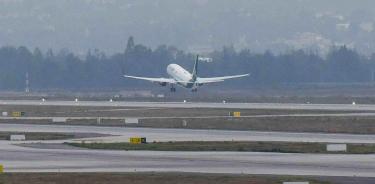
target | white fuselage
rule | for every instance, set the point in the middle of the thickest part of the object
(183, 77)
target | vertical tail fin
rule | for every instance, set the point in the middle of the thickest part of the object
(195, 69)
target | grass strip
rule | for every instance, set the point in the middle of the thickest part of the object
(280, 147)
(156, 178)
(37, 135)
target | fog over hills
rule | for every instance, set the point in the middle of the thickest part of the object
(194, 25)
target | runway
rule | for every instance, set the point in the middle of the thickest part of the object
(123, 134)
(17, 158)
(345, 107)
(20, 159)
(26, 159)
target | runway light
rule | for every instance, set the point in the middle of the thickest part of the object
(76, 100)
(353, 103)
(110, 100)
(43, 100)
(184, 101)
(224, 102)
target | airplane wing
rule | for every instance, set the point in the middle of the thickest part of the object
(161, 80)
(218, 79)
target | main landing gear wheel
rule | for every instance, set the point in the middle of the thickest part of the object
(173, 89)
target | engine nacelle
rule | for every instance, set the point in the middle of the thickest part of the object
(162, 83)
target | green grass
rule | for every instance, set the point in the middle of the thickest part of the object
(281, 147)
(361, 148)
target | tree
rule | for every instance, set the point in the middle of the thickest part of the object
(129, 45)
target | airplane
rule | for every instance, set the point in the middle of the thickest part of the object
(180, 76)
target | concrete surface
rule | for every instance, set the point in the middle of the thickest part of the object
(22, 159)
(27, 159)
(155, 134)
(350, 107)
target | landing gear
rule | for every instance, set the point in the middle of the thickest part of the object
(194, 90)
(173, 89)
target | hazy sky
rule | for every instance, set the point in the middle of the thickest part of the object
(191, 25)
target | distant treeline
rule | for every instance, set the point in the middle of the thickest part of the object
(96, 70)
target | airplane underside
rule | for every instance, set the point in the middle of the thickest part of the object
(194, 88)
